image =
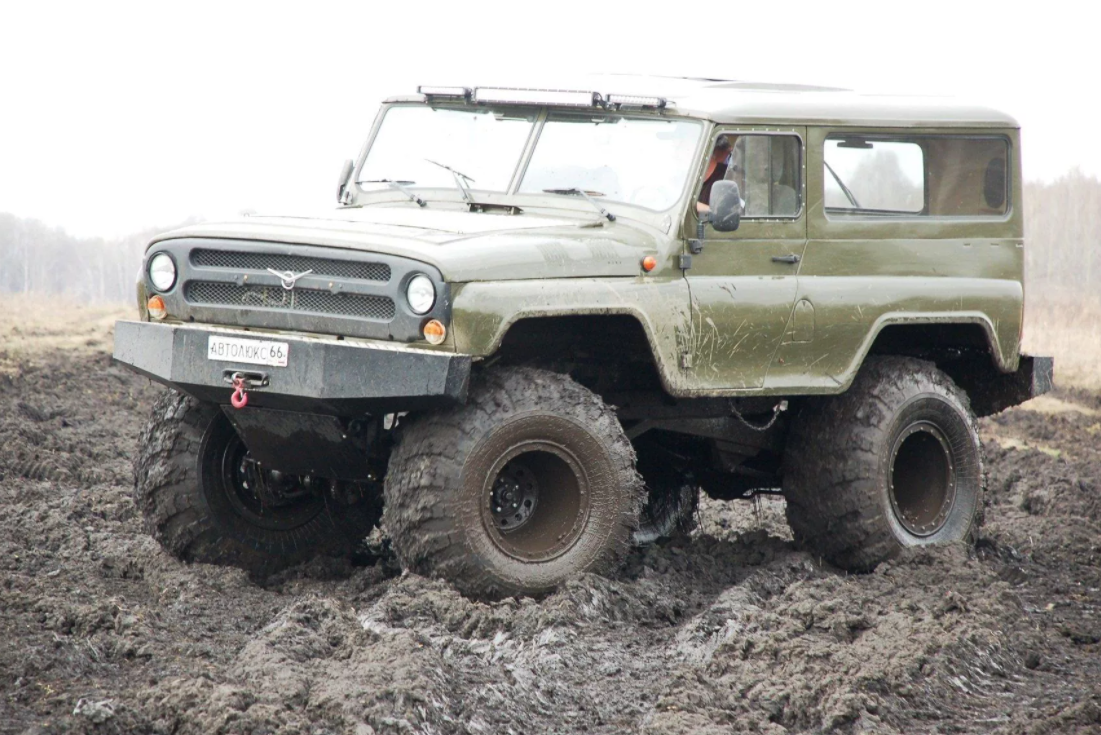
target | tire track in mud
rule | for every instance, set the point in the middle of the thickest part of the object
(730, 630)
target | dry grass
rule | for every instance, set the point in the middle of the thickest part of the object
(1067, 327)
(31, 324)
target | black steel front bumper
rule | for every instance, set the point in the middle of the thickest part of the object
(322, 376)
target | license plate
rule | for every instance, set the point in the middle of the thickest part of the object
(252, 351)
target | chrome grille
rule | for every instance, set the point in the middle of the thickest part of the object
(380, 308)
(297, 263)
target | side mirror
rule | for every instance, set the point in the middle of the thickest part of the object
(342, 182)
(726, 206)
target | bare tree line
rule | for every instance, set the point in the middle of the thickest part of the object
(35, 257)
(1062, 249)
(1063, 235)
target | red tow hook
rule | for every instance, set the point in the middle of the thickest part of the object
(239, 398)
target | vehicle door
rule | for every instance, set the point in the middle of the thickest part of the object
(743, 283)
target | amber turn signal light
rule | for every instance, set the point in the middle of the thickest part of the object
(156, 307)
(649, 263)
(435, 332)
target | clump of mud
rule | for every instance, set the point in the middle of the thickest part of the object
(730, 630)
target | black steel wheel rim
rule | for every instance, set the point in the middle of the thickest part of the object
(248, 489)
(922, 478)
(535, 501)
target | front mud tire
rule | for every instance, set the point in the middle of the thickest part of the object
(893, 462)
(529, 483)
(188, 509)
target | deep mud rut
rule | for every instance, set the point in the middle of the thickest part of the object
(731, 630)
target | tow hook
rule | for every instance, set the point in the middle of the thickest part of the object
(242, 382)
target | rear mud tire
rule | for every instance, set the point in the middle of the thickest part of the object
(187, 509)
(527, 437)
(893, 462)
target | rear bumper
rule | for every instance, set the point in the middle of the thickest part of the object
(324, 376)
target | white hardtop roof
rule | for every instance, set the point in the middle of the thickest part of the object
(731, 102)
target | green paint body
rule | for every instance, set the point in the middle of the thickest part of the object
(735, 322)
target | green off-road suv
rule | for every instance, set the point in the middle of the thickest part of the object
(540, 321)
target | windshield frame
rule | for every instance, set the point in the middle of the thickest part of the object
(451, 196)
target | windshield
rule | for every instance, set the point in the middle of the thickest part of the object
(639, 161)
(636, 161)
(413, 142)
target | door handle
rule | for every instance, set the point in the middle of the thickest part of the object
(793, 258)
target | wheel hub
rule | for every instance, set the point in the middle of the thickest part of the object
(267, 498)
(514, 498)
(271, 487)
(536, 501)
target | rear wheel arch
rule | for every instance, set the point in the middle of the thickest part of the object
(928, 339)
(968, 352)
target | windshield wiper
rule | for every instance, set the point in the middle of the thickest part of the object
(845, 189)
(398, 186)
(588, 196)
(460, 179)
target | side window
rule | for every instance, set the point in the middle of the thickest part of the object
(884, 176)
(768, 170)
(923, 176)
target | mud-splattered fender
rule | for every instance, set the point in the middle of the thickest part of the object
(483, 313)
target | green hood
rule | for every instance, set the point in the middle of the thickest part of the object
(464, 246)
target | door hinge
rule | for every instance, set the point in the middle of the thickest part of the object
(685, 262)
(686, 360)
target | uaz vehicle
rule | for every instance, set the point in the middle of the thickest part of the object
(540, 321)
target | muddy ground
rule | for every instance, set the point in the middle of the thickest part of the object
(731, 630)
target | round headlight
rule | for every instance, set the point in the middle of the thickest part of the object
(162, 271)
(421, 294)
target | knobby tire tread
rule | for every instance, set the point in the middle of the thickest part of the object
(425, 474)
(167, 487)
(831, 458)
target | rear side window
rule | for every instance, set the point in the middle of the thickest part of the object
(916, 176)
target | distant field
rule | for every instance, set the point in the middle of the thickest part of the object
(1067, 327)
(33, 323)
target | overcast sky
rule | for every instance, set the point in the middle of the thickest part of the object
(115, 117)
